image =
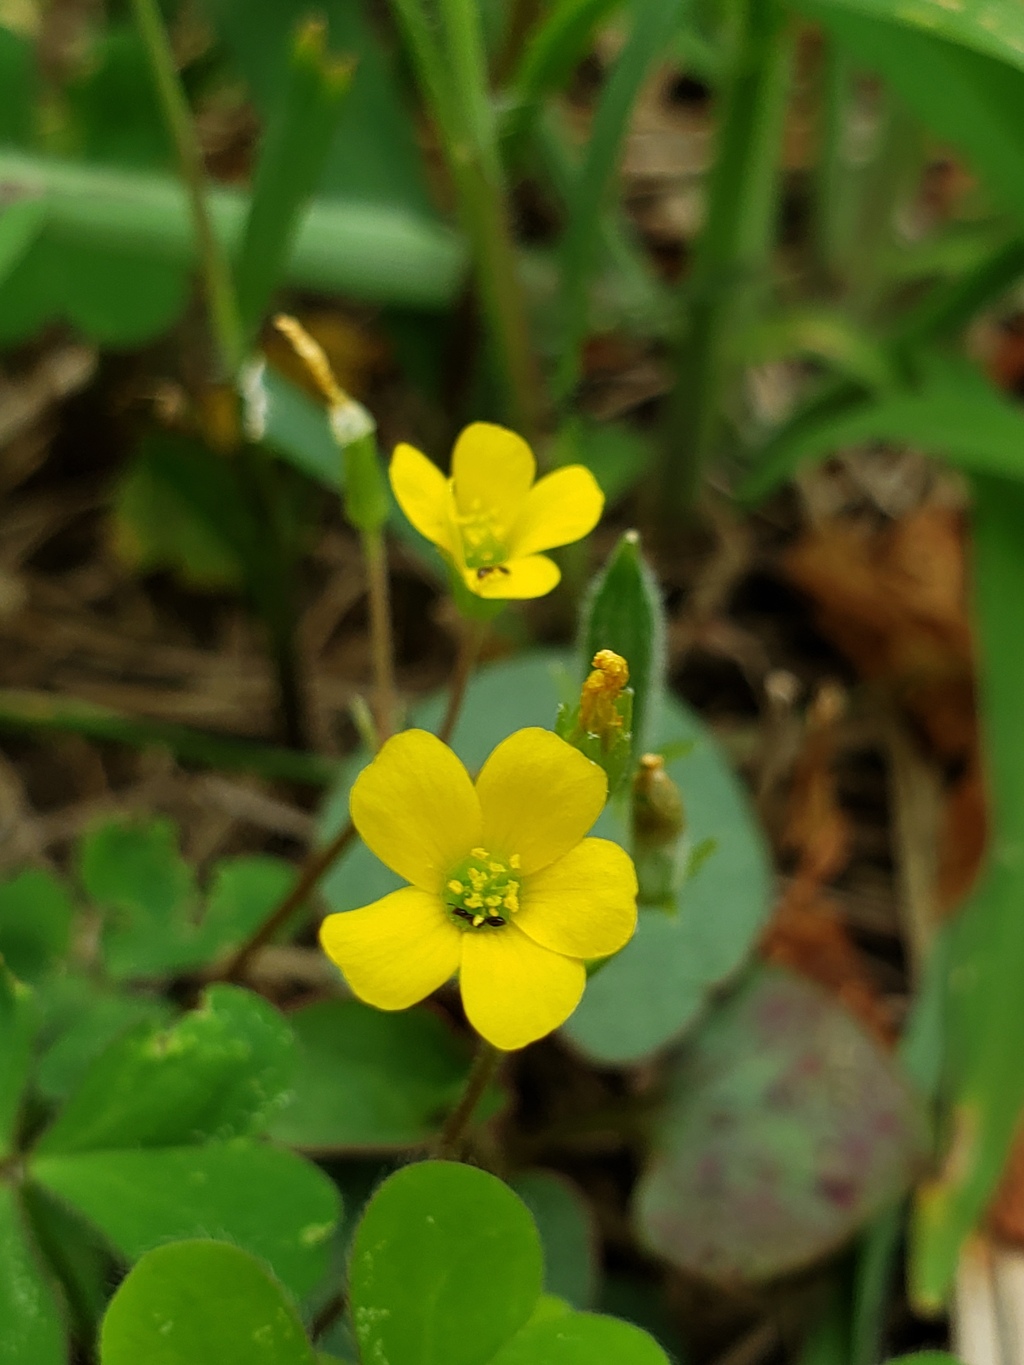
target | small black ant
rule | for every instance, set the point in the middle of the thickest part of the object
(489, 917)
(488, 569)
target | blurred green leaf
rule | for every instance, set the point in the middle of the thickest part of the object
(202, 1303)
(20, 226)
(366, 1079)
(982, 1085)
(218, 1073)
(580, 1339)
(787, 1128)
(648, 994)
(291, 160)
(281, 417)
(81, 1017)
(973, 100)
(559, 40)
(19, 1020)
(446, 1265)
(654, 22)
(824, 335)
(567, 1233)
(264, 1200)
(952, 412)
(33, 1333)
(164, 515)
(115, 114)
(374, 156)
(992, 27)
(19, 80)
(35, 922)
(77, 1253)
(623, 612)
(153, 924)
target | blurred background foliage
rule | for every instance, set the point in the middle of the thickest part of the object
(756, 264)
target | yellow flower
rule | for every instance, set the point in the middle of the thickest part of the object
(506, 889)
(490, 520)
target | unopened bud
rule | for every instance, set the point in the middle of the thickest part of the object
(659, 821)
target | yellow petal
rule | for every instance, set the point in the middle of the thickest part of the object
(424, 495)
(395, 951)
(415, 807)
(584, 904)
(560, 508)
(492, 470)
(533, 576)
(539, 797)
(515, 991)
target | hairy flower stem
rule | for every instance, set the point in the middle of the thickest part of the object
(452, 1137)
(381, 634)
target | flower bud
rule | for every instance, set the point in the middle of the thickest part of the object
(601, 726)
(659, 822)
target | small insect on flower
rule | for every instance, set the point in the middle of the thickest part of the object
(506, 889)
(490, 519)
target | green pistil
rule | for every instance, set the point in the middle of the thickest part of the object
(483, 891)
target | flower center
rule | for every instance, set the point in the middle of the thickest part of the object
(483, 541)
(482, 890)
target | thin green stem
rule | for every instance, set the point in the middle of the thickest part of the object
(733, 250)
(451, 1140)
(381, 634)
(216, 271)
(473, 635)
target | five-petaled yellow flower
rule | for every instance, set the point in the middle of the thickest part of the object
(490, 520)
(507, 890)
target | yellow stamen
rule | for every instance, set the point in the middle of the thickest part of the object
(479, 853)
(456, 886)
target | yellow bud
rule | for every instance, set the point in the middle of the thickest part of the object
(598, 712)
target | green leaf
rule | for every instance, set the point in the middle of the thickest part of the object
(983, 1028)
(266, 1201)
(19, 1020)
(135, 873)
(649, 993)
(33, 1333)
(20, 226)
(623, 612)
(581, 1339)
(368, 1080)
(76, 1253)
(823, 335)
(291, 160)
(992, 27)
(654, 22)
(953, 413)
(787, 1129)
(81, 1017)
(374, 156)
(116, 77)
(220, 1072)
(281, 417)
(162, 513)
(35, 922)
(566, 1227)
(446, 1265)
(560, 39)
(972, 100)
(202, 1303)
(19, 80)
